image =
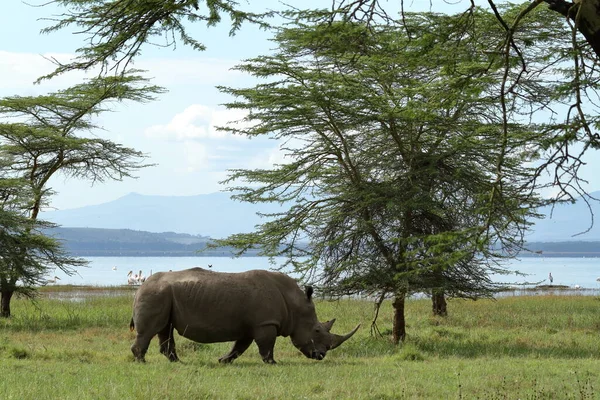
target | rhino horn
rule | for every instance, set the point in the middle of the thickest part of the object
(329, 324)
(338, 340)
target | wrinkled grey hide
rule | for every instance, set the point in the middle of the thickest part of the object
(208, 307)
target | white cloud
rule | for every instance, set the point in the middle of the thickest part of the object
(196, 157)
(196, 122)
(20, 70)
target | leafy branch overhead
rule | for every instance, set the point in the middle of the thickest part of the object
(116, 30)
(574, 52)
(46, 135)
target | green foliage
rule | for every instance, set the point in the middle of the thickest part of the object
(19, 353)
(116, 30)
(391, 141)
(26, 254)
(409, 352)
(48, 133)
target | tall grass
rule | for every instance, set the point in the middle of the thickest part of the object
(542, 347)
(58, 314)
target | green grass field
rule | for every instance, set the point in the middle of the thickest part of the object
(542, 347)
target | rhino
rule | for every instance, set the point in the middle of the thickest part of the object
(209, 307)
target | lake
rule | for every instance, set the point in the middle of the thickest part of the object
(112, 271)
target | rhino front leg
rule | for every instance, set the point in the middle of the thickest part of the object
(167, 343)
(239, 347)
(265, 340)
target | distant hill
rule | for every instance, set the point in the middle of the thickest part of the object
(567, 222)
(94, 242)
(214, 215)
(563, 249)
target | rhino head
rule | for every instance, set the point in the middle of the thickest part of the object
(313, 338)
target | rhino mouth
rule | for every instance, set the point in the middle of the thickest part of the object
(317, 355)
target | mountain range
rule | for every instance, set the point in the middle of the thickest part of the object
(216, 215)
(567, 222)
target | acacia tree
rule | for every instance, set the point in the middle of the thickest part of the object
(391, 157)
(53, 134)
(572, 62)
(26, 254)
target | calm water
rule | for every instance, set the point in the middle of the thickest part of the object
(566, 271)
(110, 271)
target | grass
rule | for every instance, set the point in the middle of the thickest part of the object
(539, 347)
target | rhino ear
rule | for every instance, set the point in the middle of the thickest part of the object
(309, 292)
(329, 324)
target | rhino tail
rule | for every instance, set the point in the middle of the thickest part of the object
(131, 325)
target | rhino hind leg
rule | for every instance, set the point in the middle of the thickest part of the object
(265, 340)
(140, 347)
(167, 343)
(239, 347)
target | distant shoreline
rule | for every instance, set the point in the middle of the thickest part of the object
(255, 254)
(80, 292)
(573, 254)
(96, 242)
(159, 254)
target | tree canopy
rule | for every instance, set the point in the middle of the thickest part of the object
(26, 254)
(115, 31)
(391, 157)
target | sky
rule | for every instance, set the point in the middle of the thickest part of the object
(177, 131)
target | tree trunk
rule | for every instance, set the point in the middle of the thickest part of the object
(5, 297)
(399, 328)
(589, 18)
(438, 300)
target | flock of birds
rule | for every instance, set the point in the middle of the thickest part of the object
(132, 279)
(135, 279)
(139, 278)
(551, 279)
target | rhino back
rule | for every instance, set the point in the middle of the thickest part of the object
(209, 306)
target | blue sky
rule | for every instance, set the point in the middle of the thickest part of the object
(177, 131)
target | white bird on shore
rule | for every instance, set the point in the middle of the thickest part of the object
(141, 278)
(53, 280)
(577, 287)
(131, 280)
